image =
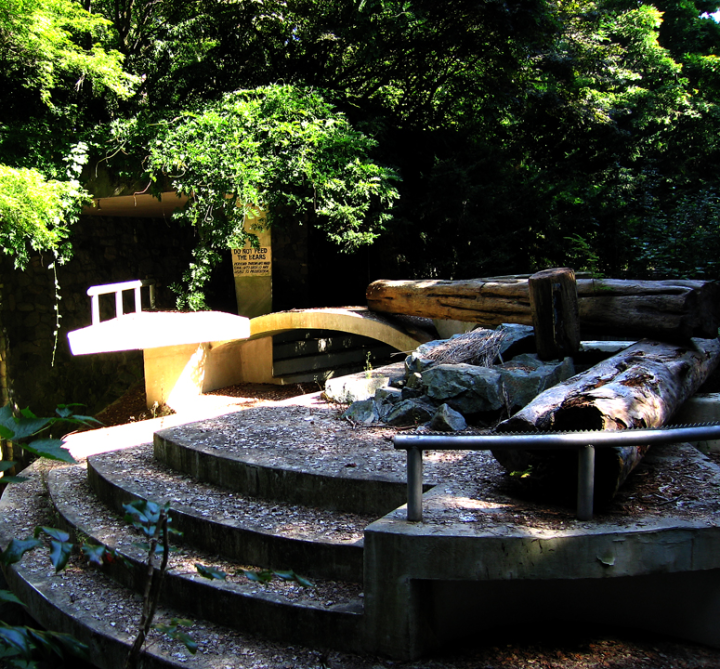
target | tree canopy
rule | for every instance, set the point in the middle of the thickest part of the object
(478, 137)
(41, 52)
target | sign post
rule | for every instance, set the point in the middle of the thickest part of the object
(252, 270)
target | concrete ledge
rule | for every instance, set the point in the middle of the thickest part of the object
(244, 542)
(701, 408)
(187, 449)
(157, 329)
(426, 583)
(229, 604)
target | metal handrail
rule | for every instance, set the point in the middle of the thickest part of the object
(94, 293)
(584, 442)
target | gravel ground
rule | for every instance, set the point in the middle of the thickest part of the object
(573, 647)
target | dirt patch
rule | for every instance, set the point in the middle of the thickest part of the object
(132, 406)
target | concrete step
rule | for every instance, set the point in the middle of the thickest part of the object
(87, 603)
(277, 610)
(266, 533)
(303, 456)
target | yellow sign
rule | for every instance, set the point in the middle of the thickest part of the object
(252, 262)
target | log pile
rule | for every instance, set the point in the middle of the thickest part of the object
(641, 386)
(673, 310)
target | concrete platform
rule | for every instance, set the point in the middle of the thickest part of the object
(476, 563)
(487, 554)
(189, 353)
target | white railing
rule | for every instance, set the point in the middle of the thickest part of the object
(119, 288)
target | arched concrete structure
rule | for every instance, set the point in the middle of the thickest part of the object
(182, 362)
(354, 320)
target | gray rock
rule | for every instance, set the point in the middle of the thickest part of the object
(519, 338)
(414, 381)
(410, 412)
(526, 376)
(388, 395)
(446, 419)
(362, 411)
(466, 388)
(362, 386)
(415, 362)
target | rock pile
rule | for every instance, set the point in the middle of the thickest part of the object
(473, 377)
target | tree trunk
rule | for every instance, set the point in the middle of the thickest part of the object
(641, 386)
(554, 307)
(667, 310)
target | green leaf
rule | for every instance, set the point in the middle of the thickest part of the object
(17, 548)
(95, 553)
(290, 575)
(16, 637)
(53, 533)
(210, 572)
(6, 464)
(60, 554)
(304, 582)
(23, 426)
(13, 479)
(68, 641)
(10, 598)
(52, 449)
(264, 576)
(173, 632)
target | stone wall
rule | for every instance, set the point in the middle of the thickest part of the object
(105, 250)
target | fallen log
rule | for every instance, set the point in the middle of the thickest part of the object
(641, 386)
(667, 310)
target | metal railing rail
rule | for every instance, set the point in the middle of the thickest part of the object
(118, 288)
(584, 442)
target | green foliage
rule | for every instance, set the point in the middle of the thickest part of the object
(40, 37)
(60, 546)
(26, 647)
(210, 573)
(267, 575)
(36, 212)
(280, 150)
(173, 631)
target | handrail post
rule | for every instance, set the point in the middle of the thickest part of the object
(414, 484)
(138, 300)
(95, 308)
(586, 482)
(118, 304)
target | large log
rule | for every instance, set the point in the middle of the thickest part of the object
(667, 310)
(642, 386)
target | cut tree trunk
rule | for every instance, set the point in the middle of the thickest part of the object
(554, 307)
(667, 310)
(641, 386)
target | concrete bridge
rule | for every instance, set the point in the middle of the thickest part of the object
(187, 354)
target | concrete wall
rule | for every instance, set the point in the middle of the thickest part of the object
(106, 250)
(307, 272)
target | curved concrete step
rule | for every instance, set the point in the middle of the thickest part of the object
(279, 611)
(299, 455)
(84, 602)
(316, 543)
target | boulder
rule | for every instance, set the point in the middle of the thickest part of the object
(362, 411)
(362, 386)
(465, 388)
(526, 376)
(410, 412)
(446, 419)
